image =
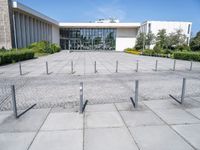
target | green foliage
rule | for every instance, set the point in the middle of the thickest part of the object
(144, 40)
(195, 43)
(183, 47)
(161, 39)
(150, 52)
(140, 41)
(15, 56)
(2, 49)
(44, 47)
(195, 56)
(56, 48)
(150, 39)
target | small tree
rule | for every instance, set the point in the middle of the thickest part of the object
(150, 39)
(195, 42)
(161, 39)
(140, 41)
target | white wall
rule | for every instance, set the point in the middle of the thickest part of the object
(125, 38)
(170, 26)
(55, 34)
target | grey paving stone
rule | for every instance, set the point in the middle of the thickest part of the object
(30, 121)
(109, 139)
(58, 140)
(103, 119)
(100, 108)
(162, 104)
(195, 112)
(128, 106)
(190, 133)
(158, 138)
(16, 140)
(63, 121)
(140, 118)
(176, 116)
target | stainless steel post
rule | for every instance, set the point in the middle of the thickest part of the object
(156, 67)
(116, 66)
(81, 98)
(137, 66)
(14, 101)
(191, 66)
(47, 68)
(174, 67)
(136, 92)
(20, 68)
(95, 67)
(183, 90)
(72, 67)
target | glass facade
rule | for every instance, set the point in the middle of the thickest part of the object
(88, 38)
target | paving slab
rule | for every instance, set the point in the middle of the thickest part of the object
(158, 138)
(109, 139)
(195, 112)
(190, 133)
(16, 140)
(103, 119)
(128, 106)
(58, 140)
(140, 118)
(161, 104)
(30, 121)
(100, 108)
(63, 121)
(176, 116)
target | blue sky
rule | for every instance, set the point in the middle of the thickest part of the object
(124, 10)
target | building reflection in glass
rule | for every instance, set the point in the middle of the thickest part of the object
(88, 38)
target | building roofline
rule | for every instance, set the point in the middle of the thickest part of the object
(17, 5)
(100, 25)
(166, 21)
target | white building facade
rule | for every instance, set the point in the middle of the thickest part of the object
(24, 26)
(169, 26)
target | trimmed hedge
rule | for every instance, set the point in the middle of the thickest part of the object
(195, 56)
(150, 52)
(15, 56)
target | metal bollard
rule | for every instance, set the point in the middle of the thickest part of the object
(72, 67)
(20, 68)
(14, 101)
(136, 92)
(183, 90)
(116, 66)
(95, 67)
(47, 68)
(81, 98)
(191, 66)
(174, 67)
(137, 65)
(156, 66)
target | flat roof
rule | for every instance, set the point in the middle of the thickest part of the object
(100, 25)
(19, 6)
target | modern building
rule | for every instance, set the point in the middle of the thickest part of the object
(21, 26)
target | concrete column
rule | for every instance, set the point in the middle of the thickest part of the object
(18, 29)
(27, 31)
(23, 30)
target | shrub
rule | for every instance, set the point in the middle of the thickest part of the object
(55, 48)
(183, 47)
(195, 56)
(132, 51)
(44, 47)
(15, 56)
